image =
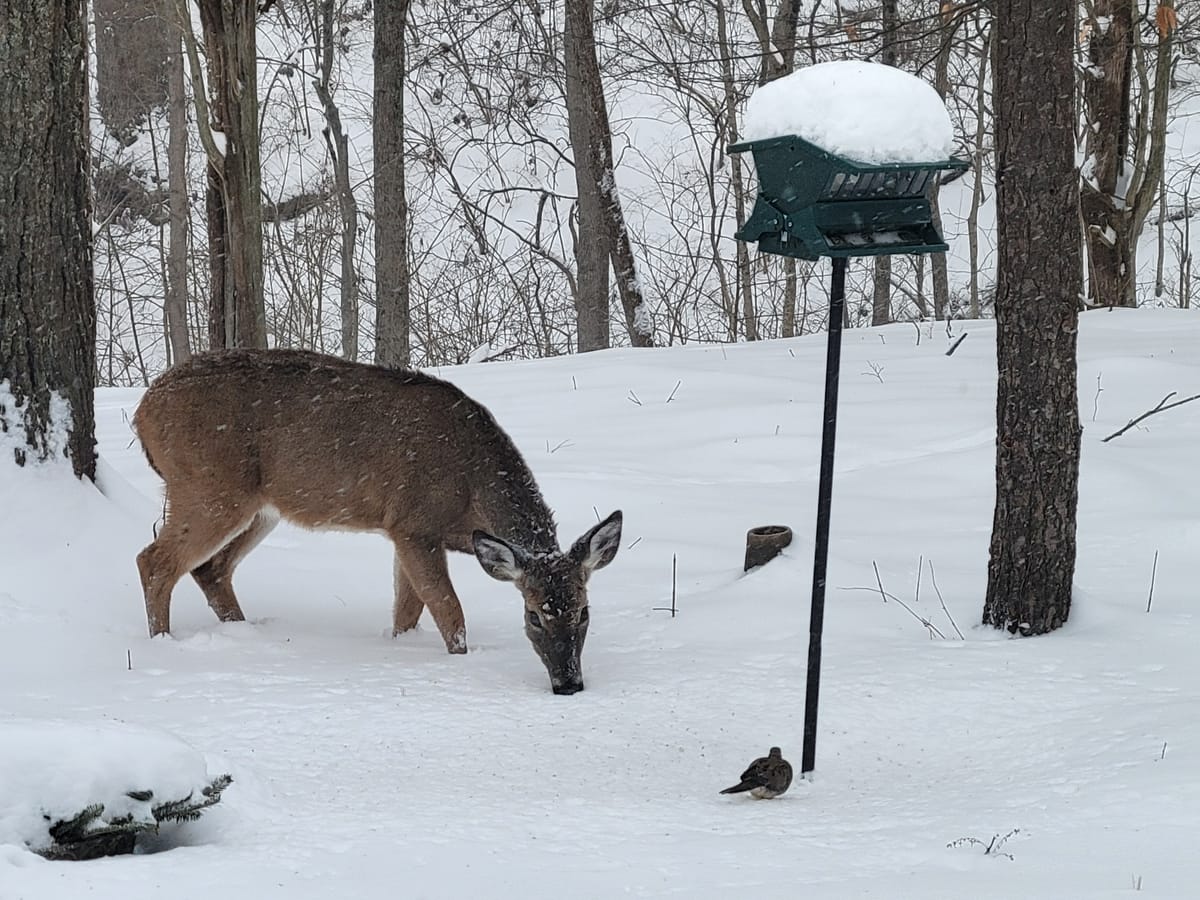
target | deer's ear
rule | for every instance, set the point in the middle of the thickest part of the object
(499, 559)
(596, 549)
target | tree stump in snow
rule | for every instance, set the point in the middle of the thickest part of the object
(764, 543)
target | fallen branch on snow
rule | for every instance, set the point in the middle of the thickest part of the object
(1163, 406)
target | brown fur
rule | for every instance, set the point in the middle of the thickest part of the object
(239, 434)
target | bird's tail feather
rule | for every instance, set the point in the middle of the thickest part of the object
(737, 788)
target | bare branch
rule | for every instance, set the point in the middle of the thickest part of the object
(1163, 406)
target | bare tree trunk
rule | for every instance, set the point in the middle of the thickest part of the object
(592, 238)
(393, 317)
(133, 52)
(919, 277)
(237, 315)
(937, 263)
(881, 293)
(1106, 212)
(881, 306)
(777, 57)
(941, 83)
(1039, 282)
(745, 285)
(1151, 144)
(790, 281)
(977, 187)
(339, 152)
(47, 310)
(177, 195)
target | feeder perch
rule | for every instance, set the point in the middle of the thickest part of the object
(764, 543)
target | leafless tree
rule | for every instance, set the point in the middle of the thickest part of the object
(1125, 97)
(1039, 281)
(230, 132)
(392, 283)
(47, 312)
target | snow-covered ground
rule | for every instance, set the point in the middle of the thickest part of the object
(377, 768)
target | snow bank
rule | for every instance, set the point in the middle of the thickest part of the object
(860, 110)
(53, 769)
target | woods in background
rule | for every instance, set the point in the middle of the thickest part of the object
(430, 181)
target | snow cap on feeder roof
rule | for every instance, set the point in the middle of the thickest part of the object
(862, 111)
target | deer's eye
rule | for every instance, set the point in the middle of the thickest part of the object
(534, 620)
(584, 615)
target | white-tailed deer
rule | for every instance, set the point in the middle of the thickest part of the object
(245, 437)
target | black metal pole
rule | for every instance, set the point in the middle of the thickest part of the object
(833, 360)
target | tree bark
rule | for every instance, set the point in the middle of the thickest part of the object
(941, 83)
(1039, 283)
(47, 310)
(392, 287)
(881, 306)
(177, 195)
(744, 283)
(339, 151)
(1106, 212)
(592, 236)
(133, 52)
(620, 247)
(881, 292)
(975, 309)
(237, 313)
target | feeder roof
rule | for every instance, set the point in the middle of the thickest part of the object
(865, 112)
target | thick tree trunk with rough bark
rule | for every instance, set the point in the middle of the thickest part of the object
(1039, 282)
(392, 288)
(237, 316)
(47, 311)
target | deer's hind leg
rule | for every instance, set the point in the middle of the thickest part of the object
(407, 609)
(193, 532)
(215, 576)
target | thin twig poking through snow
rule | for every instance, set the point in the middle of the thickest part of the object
(674, 578)
(933, 629)
(1163, 406)
(879, 581)
(1153, 572)
(936, 590)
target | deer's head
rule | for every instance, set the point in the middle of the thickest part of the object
(554, 586)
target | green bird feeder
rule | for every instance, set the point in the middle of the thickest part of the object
(813, 203)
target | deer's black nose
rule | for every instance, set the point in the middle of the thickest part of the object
(569, 687)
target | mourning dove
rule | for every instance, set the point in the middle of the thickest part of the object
(767, 777)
